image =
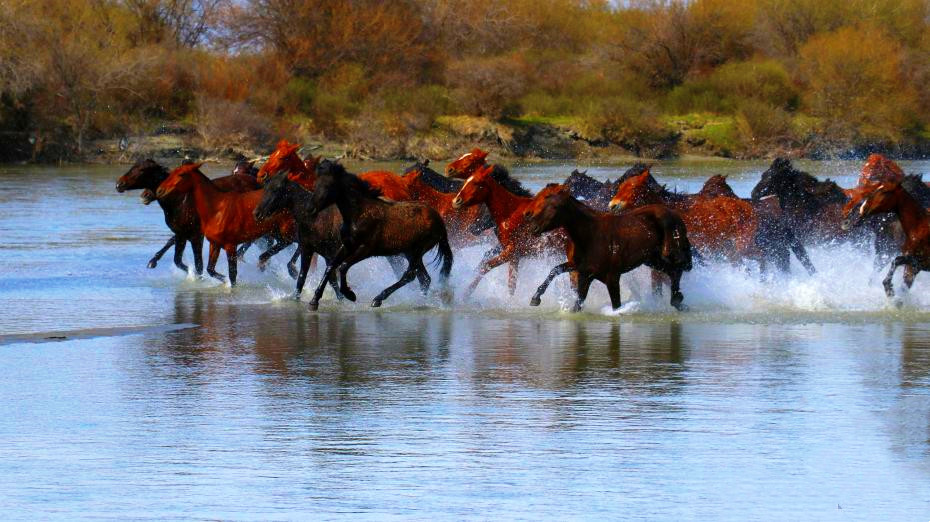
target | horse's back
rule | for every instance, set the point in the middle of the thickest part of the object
(391, 185)
(236, 183)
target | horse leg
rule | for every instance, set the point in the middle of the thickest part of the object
(677, 297)
(494, 252)
(197, 247)
(898, 261)
(154, 261)
(412, 268)
(613, 288)
(512, 275)
(242, 248)
(211, 262)
(360, 254)
(179, 245)
(263, 259)
(487, 266)
(656, 278)
(327, 275)
(397, 265)
(424, 278)
(305, 254)
(292, 264)
(584, 283)
(910, 273)
(232, 262)
(801, 253)
(558, 269)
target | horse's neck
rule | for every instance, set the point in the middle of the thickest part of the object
(205, 198)
(910, 213)
(353, 206)
(428, 194)
(502, 203)
(580, 224)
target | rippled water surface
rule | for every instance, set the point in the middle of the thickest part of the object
(134, 393)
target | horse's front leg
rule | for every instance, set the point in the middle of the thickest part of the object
(413, 266)
(558, 269)
(512, 269)
(613, 289)
(292, 264)
(487, 266)
(197, 248)
(232, 262)
(179, 244)
(360, 253)
(327, 276)
(584, 283)
(154, 261)
(263, 259)
(306, 253)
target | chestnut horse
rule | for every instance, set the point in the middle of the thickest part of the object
(892, 197)
(180, 214)
(720, 226)
(225, 217)
(431, 188)
(373, 226)
(608, 245)
(508, 211)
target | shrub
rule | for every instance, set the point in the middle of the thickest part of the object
(222, 124)
(632, 125)
(488, 86)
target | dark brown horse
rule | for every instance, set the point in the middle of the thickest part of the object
(180, 214)
(374, 227)
(608, 245)
(317, 233)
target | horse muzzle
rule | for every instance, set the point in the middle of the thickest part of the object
(160, 193)
(120, 187)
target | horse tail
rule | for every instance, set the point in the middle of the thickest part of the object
(444, 254)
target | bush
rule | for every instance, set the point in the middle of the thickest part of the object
(724, 90)
(762, 127)
(632, 125)
(223, 124)
(488, 86)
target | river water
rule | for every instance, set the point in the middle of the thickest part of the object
(136, 393)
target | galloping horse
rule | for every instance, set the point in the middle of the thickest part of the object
(608, 245)
(595, 194)
(892, 197)
(225, 217)
(720, 226)
(180, 214)
(373, 227)
(508, 211)
(428, 186)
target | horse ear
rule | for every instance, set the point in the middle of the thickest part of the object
(292, 148)
(480, 154)
(282, 144)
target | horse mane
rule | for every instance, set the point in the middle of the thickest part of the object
(501, 175)
(717, 185)
(434, 179)
(149, 163)
(633, 171)
(349, 181)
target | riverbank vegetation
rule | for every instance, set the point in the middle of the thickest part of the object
(738, 78)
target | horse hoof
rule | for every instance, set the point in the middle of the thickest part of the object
(296, 297)
(376, 303)
(348, 294)
(535, 301)
(313, 306)
(292, 272)
(898, 303)
(576, 308)
(152, 264)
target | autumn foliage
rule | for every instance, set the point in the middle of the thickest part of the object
(737, 77)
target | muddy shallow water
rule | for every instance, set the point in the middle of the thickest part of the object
(131, 392)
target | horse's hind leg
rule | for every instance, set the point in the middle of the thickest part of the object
(197, 248)
(327, 275)
(397, 265)
(424, 278)
(179, 245)
(558, 269)
(211, 262)
(657, 279)
(408, 276)
(243, 248)
(154, 261)
(898, 261)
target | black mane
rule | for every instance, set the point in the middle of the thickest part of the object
(349, 181)
(633, 171)
(502, 175)
(434, 179)
(915, 186)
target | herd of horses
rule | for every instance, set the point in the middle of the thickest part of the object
(602, 229)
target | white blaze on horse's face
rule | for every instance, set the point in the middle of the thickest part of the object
(457, 202)
(463, 156)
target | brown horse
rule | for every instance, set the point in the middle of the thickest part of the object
(608, 245)
(373, 226)
(719, 226)
(467, 164)
(508, 210)
(225, 217)
(892, 197)
(431, 188)
(180, 214)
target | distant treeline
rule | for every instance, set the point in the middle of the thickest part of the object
(735, 77)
